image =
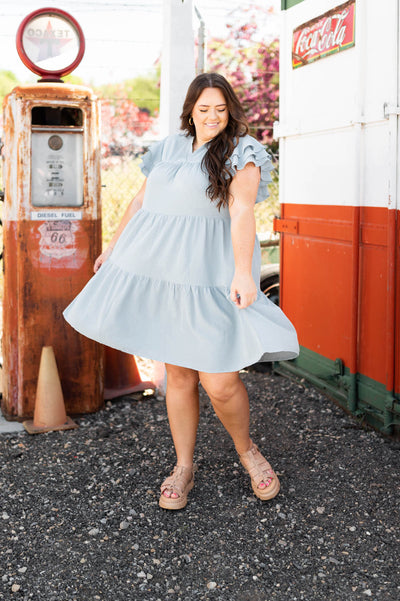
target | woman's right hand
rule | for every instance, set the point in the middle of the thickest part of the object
(102, 258)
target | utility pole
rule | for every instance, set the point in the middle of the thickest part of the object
(202, 47)
(177, 62)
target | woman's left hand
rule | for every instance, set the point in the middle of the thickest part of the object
(243, 290)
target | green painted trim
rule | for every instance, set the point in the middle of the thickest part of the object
(285, 4)
(361, 396)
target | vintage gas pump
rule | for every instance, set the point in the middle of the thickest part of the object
(52, 217)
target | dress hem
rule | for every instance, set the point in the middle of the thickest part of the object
(265, 357)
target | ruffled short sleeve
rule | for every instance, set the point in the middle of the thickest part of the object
(152, 157)
(249, 150)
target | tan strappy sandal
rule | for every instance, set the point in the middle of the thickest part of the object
(260, 471)
(181, 482)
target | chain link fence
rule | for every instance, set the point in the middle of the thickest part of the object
(122, 178)
(1, 225)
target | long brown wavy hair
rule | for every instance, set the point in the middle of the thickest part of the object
(216, 161)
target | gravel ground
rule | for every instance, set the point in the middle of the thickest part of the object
(79, 516)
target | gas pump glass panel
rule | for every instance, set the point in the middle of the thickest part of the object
(57, 115)
(51, 41)
(57, 169)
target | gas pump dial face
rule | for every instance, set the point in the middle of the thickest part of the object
(50, 43)
(55, 142)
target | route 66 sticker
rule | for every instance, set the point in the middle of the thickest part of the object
(57, 238)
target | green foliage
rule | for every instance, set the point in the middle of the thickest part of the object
(74, 80)
(143, 90)
(265, 211)
(252, 67)
(8, 81)
(121, 182)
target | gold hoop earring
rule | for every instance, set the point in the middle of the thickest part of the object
(190, 120)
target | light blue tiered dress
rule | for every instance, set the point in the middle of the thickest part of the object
(164, 293)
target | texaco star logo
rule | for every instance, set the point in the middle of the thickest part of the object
(51, 43)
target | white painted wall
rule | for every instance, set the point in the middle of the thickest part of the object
(177, 61)
(336, 146)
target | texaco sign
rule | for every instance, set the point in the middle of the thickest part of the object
(50, 43)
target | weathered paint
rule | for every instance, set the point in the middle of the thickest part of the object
(319, 281)
(325, 34)
(335, 379)
(340, 201)
(62, 28)
(17, 124)
(47, 262)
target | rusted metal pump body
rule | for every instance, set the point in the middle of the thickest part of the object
(52, 235)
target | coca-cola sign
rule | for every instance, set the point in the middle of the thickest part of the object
(331, 32)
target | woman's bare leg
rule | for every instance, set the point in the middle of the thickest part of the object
(183, 413)
(229, 398)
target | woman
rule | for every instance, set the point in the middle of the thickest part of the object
(179, 282)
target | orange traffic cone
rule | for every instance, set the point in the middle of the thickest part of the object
(49, 411)
(121, 374)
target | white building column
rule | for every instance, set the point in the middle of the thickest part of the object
(177, 62)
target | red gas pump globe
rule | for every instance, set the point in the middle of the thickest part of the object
(50, 43)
